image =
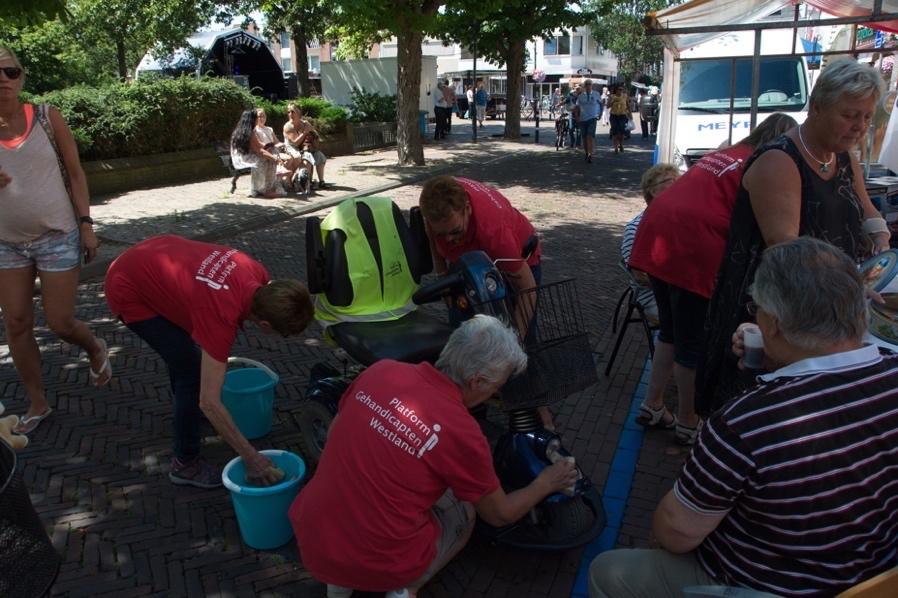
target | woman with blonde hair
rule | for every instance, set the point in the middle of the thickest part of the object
(45, 231)
(804, 183)
(679, 244)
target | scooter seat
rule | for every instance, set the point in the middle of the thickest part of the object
(413, 338)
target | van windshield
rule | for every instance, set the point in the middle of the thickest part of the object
(705, 85)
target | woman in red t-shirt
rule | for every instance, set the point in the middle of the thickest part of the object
(679, 244)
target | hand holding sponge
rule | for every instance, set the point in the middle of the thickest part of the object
(7, 425)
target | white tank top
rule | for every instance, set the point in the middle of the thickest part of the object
(35, 202)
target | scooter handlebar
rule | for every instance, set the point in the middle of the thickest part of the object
(437, 289)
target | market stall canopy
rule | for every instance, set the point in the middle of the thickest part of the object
(715, 15)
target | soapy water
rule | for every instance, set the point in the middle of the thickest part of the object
(258, 483)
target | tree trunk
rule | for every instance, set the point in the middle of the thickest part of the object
(301, 42)
(514, 65)
(408, 136)
(122, 62)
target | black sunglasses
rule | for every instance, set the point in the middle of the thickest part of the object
(11, 72)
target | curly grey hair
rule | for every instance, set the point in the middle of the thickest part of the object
(482, 346)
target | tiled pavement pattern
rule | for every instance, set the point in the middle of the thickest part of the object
(97, 468)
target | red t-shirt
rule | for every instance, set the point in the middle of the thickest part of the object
(496, 228)
(683, 232)
(205, 289)
(401, 439)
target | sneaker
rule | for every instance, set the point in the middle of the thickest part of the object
(196, 472)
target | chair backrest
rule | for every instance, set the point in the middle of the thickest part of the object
(884, 585)
(364, 261)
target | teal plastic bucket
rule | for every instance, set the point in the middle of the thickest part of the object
(248, 395)
(262, 511)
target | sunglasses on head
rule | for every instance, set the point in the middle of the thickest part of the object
(11, 72)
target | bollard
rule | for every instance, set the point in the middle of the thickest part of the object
(536, 111)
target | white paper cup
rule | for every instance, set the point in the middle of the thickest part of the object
(753, 341)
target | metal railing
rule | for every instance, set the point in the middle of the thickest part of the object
(373, 135)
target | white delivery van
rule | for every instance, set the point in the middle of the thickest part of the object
(702, 120)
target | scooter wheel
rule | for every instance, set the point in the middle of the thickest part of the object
(313, 420)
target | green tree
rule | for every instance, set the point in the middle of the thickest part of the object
(501, 31)
(134, 27)
(31, 12)
(620, 29)
(408, 20)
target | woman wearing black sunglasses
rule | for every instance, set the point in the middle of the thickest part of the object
(45, 230)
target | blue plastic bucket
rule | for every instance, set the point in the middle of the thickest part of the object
(262, 511)
(248, 395)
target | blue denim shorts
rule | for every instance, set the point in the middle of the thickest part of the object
(588, 127)
(51, 252)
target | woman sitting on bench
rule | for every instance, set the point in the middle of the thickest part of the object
(248, 151)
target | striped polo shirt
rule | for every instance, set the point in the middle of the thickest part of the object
(805, 467)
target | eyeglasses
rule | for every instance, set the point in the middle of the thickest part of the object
(11, 72)
(752, 308)
(663, 182)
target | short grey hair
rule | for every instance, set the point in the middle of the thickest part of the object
(846, 77)
(482, 346)
(814, 291)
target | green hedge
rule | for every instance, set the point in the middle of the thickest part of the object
(326, 117)
(161, 115)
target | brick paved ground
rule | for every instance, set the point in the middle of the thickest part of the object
(97, 468)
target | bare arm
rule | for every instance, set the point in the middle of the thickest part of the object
(256, 147)
(678, 528)
(774, 187)
(499, 509)
(439, 263)
(523, 282)
(80, 195)
(880, 239)
(291, 135)
(211, 380)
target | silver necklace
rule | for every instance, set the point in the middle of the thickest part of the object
(824, 166)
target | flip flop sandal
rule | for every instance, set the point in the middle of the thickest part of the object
(106, 368)
(686, 435)
(654, 418)
(27, 425)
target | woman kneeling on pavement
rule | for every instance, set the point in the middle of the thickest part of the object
(406, 467)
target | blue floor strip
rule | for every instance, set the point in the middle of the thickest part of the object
(617, 486)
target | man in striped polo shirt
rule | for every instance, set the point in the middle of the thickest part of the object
(792, 487)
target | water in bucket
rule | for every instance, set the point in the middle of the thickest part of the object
(262, 510)
(248, 395)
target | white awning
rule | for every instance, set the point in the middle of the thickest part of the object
(720, 13)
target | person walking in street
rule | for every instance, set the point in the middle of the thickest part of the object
(187, 300)
(573, 128)
(588, 108)
(45, 232)
(480, 100)
(606, 104)
(439, 112)
(619, 105)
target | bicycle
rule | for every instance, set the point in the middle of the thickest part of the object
(562, 129)
(527, 110)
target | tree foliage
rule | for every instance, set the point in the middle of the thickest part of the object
(620, 29)
(99, 39)
(408, 20)
(501, 30)
(32, 12)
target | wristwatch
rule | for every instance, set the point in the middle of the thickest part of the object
(86, 219)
